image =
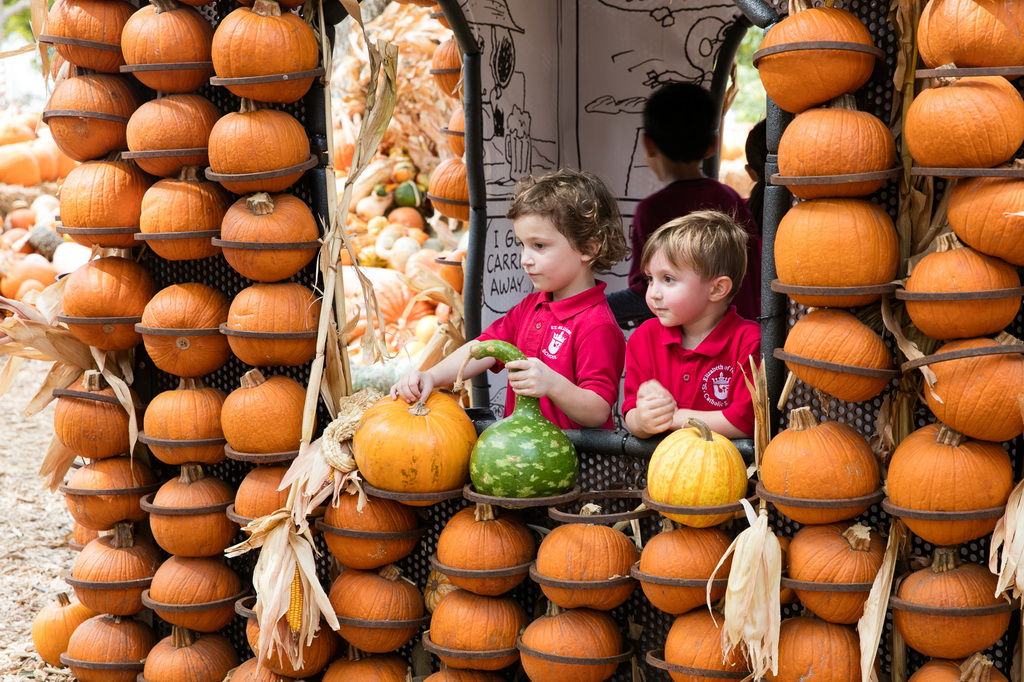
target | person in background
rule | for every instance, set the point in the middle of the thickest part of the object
(691, 360)
(570, 228)
(680, 122)
(756, 151)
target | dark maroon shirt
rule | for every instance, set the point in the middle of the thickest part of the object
(577, 337)
(686, 196)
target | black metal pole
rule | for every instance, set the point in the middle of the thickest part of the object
(472, 84)
(760, 13)
(720, 79)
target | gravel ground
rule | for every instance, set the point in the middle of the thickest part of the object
(34, 528)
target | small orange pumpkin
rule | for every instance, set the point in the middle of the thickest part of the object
(118, 205)
(481, 539)
(244, 416)
(378, 516)
(93, 429)
(970, 34)
(189, 413)
(109, 639)
(585, 552)
(263, 218)
(283, 307)
(168, 32)
(497, 622)
(183, 580)
(112, 559)
(683, 552)
(171, 122)
(185, 204)
(577, 633)
(82, 138)
(192, 535)
(983, 214)
(446, 67)
(53, 625)
(108, 287)
(379, 596)
(102, 512)
(98, 21)
(188, 306)
(185, 655)
(449, 189)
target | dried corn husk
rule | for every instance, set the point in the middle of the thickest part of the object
(752, 609)
(757, 384)
(871, 625)
(1008, 565)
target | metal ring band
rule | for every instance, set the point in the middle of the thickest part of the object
(452, 70)
(456, 133)
(1009, 71)
(275, 336)
(507, 572)
(169, 66)
(711, 510)
(803, 46)
(429, 645)
(952, 611)
(656, 659)
(167, 331)
(605, 584)
(66, 319)
(840, 179)
(368, 534)
(866, 290)
(260, 457)
(237, 518)
(100, 665)
(809, 503)
(967, 172)
(148, 506)
(78, 42)
(164, 236)
(85, 395)
(384, 624)
(835, 366)
(472, 495)
(137, 490)
(573, 660)
(441, 200)
(104, 585)
(64, 229)
(933, 515)
(961, 354)
(411, 497)
(266, 246)
(242, 608)
(272, 78)
(1011, 292)
(191, 608)
(261, 175)
(174, 443)
(164, 153)
(636, 573)
(808, 586)
(557, 514)
(81, 113)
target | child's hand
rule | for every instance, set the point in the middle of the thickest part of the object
(532, 377)
(655, 407)
(413, 386)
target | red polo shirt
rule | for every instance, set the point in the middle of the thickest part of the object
(577, 337)
(705, 378)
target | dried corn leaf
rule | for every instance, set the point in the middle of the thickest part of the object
(59, 376)
(906, 346)
(55, 465)
(757, 385)
(871, 625)
(121, 391)
(1008, 565)
(752, 609)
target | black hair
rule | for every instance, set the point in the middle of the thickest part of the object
(756, 148)
(682, 120)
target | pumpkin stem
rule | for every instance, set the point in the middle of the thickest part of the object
(354, 654)
(266, 8)
(1017, 164)
(948, 437)
(484, 512)
(182, 637)
(63, 599)
(844, 103)
(122, 537)
(162, 6)
(390, 572)
(189, 174)
(799, 6)
(977, 668)
(1006, 339)
(419, 409)
(703, 430)
(943, 81)
(945, 559)
(260, 204)
(553, 610)
(191, 384)
(249, 106)
(190, 473)
(253, 378)
(590, 509)
(666, 525)
(801, 419)
(859, 537)
(93, 381)
(947, 242)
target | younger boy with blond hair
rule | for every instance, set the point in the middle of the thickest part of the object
(689, 361)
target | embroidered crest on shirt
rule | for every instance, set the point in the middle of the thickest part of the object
(715, 385)
(560, 336)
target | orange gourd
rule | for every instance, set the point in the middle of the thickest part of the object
(84, 139)
(577, 633)
(258, 493)
(254, 671)
(837, 336)
(315, 655)
(457, 132)
(358, 666)
(167, 32)
(286, 307)
(437, 588)
(683, 552)
(103, 288)
(376, 596)
(983, 214)
(191, 412)
(99, 21)
(192, 535)
(482, 538)
(119, 204)
(18, 166)
(810, 648)
(102, 512)
(971, 34)
(109, 639)
(836, 243)
(53, 625)
(112, 559)
(378, 516)
(695, 641)
(24, 270)
(798, 80)
(820, 461)
(171, 122)
(835, 553)
(414, 448)
(586, 552)
(188, 306)
(185, 204)
(836, 141)
(988, 114)
(949, 583)
(449, 189)
(244, 415)
(185, 655)
(938, 469)
(497, 622)
(978, 667)
(92, 429)
(262, 218)
(446, 67)
(184, 581)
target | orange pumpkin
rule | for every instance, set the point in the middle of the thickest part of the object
(315, 655)
(481, 539)
(586, 552)
(255, 140)
(108, 287)
(376, 596)
(258, 493)
(390, 668)
(189, 413)
(109, 639)
(417, 448)
(99, 21)
(577, 633)
(94, 429)
(983, 214)
(171, 122)
(938, 469)
(449, 189)
(188, 306)
(88, 138)
(835, 553)
(113, 559)
(971, 34)
(119, 205)
(695, 641)
(798, 80)
(977, 667)
(168, 32)
(18, 166)
(24, 270)
(261, 219)
(284, 307)
(238, 51)
(254, 671)
(185, 204)
(446, 67)
(837, 336)
(456, 675)
(184, 581)
(497, 622)
(810, 648)
(836, 243)
(378, 516)
(836, 141)
(53, 625)
(457, 132)
(190, 534)
(244, 416)
(102, 512)
(952, 268)
(819, 461)
(687, 553)
(989, 115)
(949, 583)
(184, 655)
(984, 410)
